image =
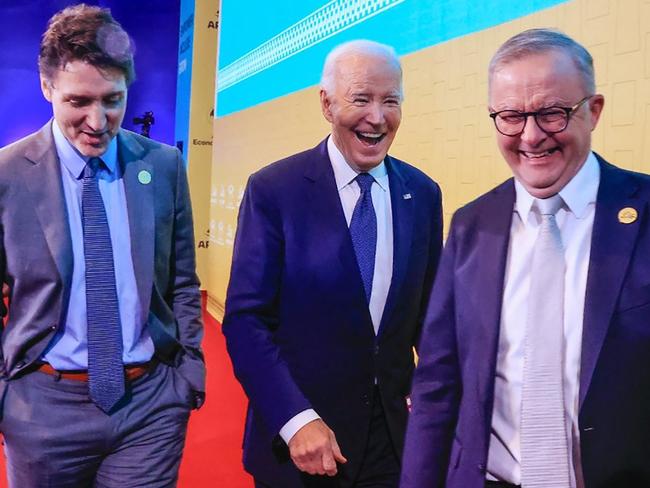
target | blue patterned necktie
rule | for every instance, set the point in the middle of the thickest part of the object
(105, 370)
(363, 229)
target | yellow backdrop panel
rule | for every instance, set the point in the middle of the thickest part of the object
(199, 140)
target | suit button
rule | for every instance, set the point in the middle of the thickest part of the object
(365, 398)
(376, 349)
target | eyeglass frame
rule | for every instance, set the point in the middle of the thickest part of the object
(568, 110)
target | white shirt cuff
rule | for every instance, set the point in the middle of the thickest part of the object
(296, 423)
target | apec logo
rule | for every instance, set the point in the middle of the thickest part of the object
(205, 243)
(214, 24)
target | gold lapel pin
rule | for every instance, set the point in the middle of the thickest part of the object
(627, 215)
(144, 177)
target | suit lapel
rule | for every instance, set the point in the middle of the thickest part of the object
(486, 282)
(492, 238)
(402, 209)
(140, 207)
(324, 206)
(612, 244)
(43, 179)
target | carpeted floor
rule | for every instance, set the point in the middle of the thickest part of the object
(213, 451)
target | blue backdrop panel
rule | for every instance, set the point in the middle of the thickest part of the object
(184, 82)
(271, 49)
(153, 26)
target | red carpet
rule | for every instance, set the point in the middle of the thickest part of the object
(213, 451)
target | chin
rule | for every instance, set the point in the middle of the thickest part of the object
(368, 165)
(92, 152)
(541, 189)
(372, 160)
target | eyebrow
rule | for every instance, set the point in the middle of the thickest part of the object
(366, 93)
(90, 97)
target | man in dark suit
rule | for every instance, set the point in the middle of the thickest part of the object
(336, 250)
(101, 350)
(534, 370)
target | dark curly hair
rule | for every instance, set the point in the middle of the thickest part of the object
(89, 34)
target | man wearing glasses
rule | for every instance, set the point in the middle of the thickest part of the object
(535, 354)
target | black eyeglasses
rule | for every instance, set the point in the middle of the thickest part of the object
(551, 119)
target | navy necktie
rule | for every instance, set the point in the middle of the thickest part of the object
(105, 370)
(363, 229)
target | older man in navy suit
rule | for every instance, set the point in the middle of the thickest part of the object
(535, 354)
(101, 351)
(335, 253)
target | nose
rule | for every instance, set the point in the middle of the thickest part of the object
(375, 114)
(532, 134)
(96, 117)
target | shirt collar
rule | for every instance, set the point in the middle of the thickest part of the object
(577, 194)
(344, 174)
(71, 158)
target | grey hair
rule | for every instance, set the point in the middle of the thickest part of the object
(359, 46)
(537, 41)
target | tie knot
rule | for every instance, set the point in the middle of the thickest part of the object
(91, 168)
(549, 206)
(365, 181)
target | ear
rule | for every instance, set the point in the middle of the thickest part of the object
(46, 88)
(326, 105)
(596, 105)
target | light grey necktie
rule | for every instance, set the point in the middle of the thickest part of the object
(544, 443)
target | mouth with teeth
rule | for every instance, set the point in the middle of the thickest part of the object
(370, 138)
(539, 155)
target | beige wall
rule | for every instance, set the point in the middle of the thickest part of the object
(445, 127)
(199, 140)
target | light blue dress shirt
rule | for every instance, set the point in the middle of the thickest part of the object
(68, 349)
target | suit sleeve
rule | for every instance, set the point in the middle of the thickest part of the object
(3, 308)
(186, 299)
(436, 386)
(252, 309)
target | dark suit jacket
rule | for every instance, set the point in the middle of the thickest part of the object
(36, 250)
(453, 391)
(297, 323)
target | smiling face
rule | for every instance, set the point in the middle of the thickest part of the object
(88, 105)
(544, 163)
(364, 108)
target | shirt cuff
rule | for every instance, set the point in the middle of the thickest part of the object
(296, 423)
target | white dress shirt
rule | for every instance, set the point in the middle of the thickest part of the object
(349, 193)
(575, 221)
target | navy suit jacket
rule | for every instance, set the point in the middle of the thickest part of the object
(36, 257)
(297, 323)
(453, 389)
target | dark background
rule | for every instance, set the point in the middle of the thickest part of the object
(153, 26)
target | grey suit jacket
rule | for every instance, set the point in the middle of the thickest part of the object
(36, 257)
